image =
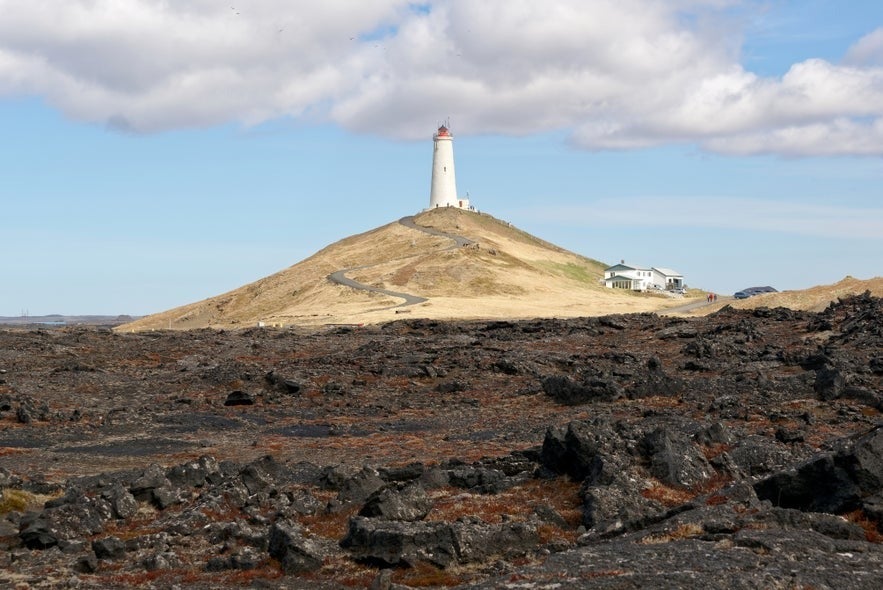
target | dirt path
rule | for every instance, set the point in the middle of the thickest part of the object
(459, 241)
(339, 277)
(687, 307)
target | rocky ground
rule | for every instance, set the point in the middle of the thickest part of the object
(738, 450)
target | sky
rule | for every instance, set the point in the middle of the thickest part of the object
(154, 153)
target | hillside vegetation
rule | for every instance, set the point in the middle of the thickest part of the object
(505, 273)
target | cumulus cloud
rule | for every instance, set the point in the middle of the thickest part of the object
(616, 74)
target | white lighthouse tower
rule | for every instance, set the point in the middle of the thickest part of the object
(444, 182)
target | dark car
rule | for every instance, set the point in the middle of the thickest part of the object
(752, 291)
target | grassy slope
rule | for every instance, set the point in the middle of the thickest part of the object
(507, 273)
(812, 299)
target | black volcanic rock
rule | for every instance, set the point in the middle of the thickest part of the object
(406, 502)
(394, 543)
(742, 449)
(296, 553)
(239, 398)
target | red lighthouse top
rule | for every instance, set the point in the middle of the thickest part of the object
(443, 131)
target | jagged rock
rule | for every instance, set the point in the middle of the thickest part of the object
(143, 487)
(194, 473)
(409, 472)
(652, 380)
(37, 534)
(109, 548)
(452, 387)
(284, 384)
(161, 561)
(296, 554)
(85, 515)
(760, 368)
(406, 502)
(478, 541)
(674, 459)
(360, 486)
(245, 558)
(756, 456)
(830, 482)
(303, 502)
(479, 479)
(716, 433)
(618, 506)
(393, 543)
(580, 451)
(865, 462)
(566, 391)
(260, 475)
(829, 383)
(86, 564)
(121, 501)
(333, 477)
(549, 515)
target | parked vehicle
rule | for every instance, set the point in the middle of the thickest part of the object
(752, 291)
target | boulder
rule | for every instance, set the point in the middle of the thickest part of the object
(830, 482)
(406, 502)
(296, 553)
(617, 507)
(565, 390)
(152, 478)
(400, 543)
(194, 473)
(37, 534)
(819, 485)
(478, 541)
(581, 451)
(829, 383)
(109, 548)
(239, 398)
(674, 459)
(479, 479)
(122, 503)
(360, 486)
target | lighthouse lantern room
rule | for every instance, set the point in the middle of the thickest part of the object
(444, 181)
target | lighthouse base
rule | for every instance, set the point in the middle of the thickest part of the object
(458, 204)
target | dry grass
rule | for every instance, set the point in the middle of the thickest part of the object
(424, 575)
(871, 527)
(329, 526)
(510, 274)
(666, 495)
(514, 504)
(17, 501)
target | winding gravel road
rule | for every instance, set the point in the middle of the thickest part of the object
(339, 277)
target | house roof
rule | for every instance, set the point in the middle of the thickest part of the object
(667, 272)
(621, 266)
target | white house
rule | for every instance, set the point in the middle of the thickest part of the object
(641, 278)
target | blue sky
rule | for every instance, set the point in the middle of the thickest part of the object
(156, 154)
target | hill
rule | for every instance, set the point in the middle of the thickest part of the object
(812, 299)
(494, 271)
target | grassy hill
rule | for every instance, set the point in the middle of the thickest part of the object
(813, 299)
(505, 273)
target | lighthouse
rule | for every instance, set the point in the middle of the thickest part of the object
(443, 192)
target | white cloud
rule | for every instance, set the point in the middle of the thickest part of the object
(735, 213)
(868, 50)
(617, 74)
